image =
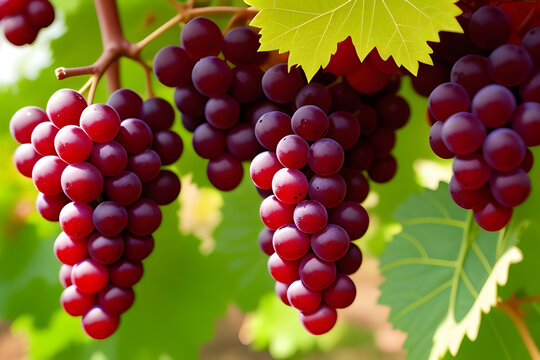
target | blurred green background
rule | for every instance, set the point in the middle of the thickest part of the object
(206, 292)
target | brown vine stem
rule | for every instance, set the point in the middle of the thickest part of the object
(116, 46)
(513, 309)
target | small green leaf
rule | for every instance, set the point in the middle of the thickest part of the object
(311, 29)
(441, 273)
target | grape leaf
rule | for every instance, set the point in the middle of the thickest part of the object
(310, 29)
(441, 272)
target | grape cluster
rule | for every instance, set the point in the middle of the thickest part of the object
(213, 97)
(22, 19)
(487, 116)
(310, 219)
(98, 172)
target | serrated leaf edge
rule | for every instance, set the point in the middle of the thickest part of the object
(450, 334)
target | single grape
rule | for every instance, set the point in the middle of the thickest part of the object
(430, 76)
(531, 43)
(225, 172)
(528, 161)
(110, 218)
(211, 77)
(24, 121)
(463, 133)
(47, 173)
(284, 271)
(357, 185)
(201, 37)
(242, 142)
(281, 85)
(319, 321)
(351, 261)
(326, 157)
(157, 113)
(98, 324)
(124, 188)
(328, 190)
(72, 144)
(70, 250)
(343, 128)
(164, 188)
(126, 273)
(49, 206)
(494, 105)
(222, 112)
(172, 66)
(352, 217)
(189, 101)
(190, 124)
(436, 142)
(168, 145)
(310, 216)
(509, 65)
(530, 90)
(275, 213)
(290, 243)
(290, 185)
(492, 216)
(314, 94)
(64, 275)
(448, 99)
(382, 140)
(76, 303)
(367, 79)
(109, 158)
(360, 156)
(302, 298)
(471, 72)
(126, 102)
(76, 220)
(134, 135)
(271, 128)
(503, 149)
(82, 182)
(105, 249)
(526, 122)
(40, 13)
(489, 27)
(24, 159)
(246, 83)
(19, 30)
(90, 276)
(144, 217)
(341, 293)
(471, 171)
(43, 138)
(292, 151)
(383, 169)
(137, 248)
(393, 111)
(510, 188)
(316, 274)
(255, 111)
(468, 199)
(345, 60)
(101, 122)
(65, 107)
(262, 169)
(331, 243)
(115, 300)
(344, 97)
(145, 165)
(241, 45)
(310, 122)
(265, 240)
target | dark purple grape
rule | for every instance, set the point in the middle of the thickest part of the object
(343, 127)
(172, 66)
(467, 199)
(157, 113)
(144, 217)
(489, 27)
(471, 171)
(344, 97)
(211, 77)
(134, 135)
(189, 101)
(326, 157)
(145, 165)
(225, 172)
(357, 185)
(110, 218)
(242, 143)
(360, 156)
(314, 94)
(448, 99)
(393, 111)
(163, 189)
(190, 124)
(528, 161)
(383, 169)
(254, 112)
(280, 85)
(526, 122)
(341, 293)
(351, 262)
(105, 249)
(241, 45)
(471, 72)
(492, 216)
(246, 83)
(530, 90)
(125, 188)
(126, 102)
(510, 188)
(137, 248)
(436, 142)
(331, 243)
(430, 76)
(201, 37)
(168, 145)
(116, 300)
(531, 43)
(509, 65)
(125, 272)
(316, 274)
(352, 217)
(109, 158)
(494, 105)
(271, 128)
(310, 122)
(222, 112)
(40, 13)
(463, 133)
(328, 190)
(19, 30)
(503, 149)
(382, 140)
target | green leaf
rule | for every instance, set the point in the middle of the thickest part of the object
(441, 273)
(311, 29)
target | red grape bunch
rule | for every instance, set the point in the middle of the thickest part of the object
(98, 170)
(487, 116)
(212, 92)
(22, 19)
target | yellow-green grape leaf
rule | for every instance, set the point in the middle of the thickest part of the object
(310, 29)
(442, 272)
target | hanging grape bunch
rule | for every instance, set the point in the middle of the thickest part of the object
(98, 170)
(487, 117)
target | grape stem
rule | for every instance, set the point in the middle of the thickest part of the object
(512, 308)
(116, 46)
